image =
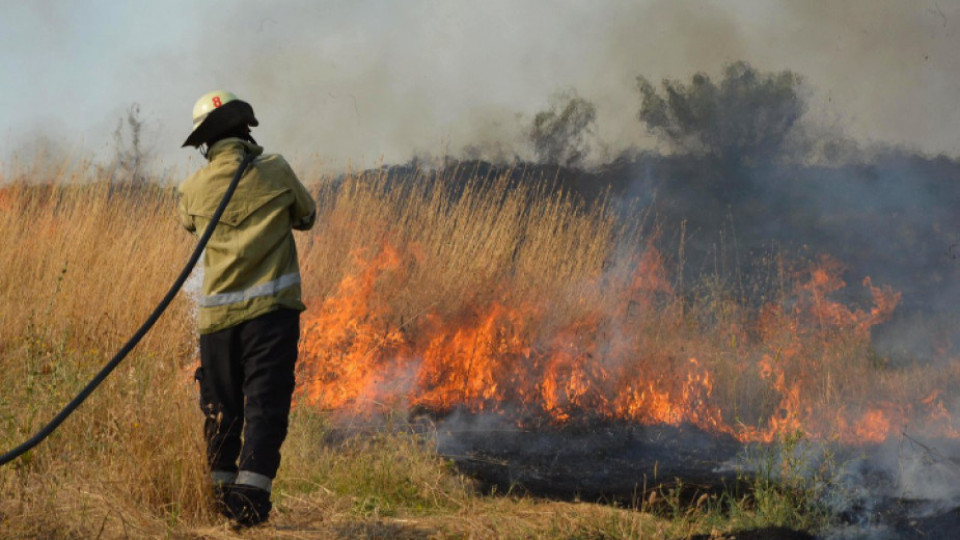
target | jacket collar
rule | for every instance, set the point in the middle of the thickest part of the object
(233, 145)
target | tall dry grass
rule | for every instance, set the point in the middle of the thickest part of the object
(82, 263)
(485, 241)
(81, 266)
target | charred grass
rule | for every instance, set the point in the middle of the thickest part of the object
(83, 262)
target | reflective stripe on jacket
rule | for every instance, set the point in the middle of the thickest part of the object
(250, 264)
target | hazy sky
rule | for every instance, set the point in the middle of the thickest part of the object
(359, 79)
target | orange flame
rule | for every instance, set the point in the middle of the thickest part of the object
(635, 358)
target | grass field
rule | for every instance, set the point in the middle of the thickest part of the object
(491, 300)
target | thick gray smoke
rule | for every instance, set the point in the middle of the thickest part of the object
(354, 81)
(367, 79)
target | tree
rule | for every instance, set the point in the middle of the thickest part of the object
(558, 133)
(744, 120)
(131, 157)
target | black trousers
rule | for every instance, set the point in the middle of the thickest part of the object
(246, 378)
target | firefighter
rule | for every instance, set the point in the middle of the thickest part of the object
(249, 312)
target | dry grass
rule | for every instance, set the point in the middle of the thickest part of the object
(82, 264)
(487, 241)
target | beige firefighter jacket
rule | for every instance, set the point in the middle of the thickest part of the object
(250, 266)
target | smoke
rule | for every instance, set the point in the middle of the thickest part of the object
(439, 77)
(406, 79)
(364, 80)
(902, 489)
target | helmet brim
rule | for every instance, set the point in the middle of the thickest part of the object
(223, 118)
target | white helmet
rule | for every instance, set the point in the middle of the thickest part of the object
(211, 117)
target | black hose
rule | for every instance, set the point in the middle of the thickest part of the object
(142, 331)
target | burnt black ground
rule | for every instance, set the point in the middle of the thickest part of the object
(766, 533)
(611, 462)
(941, 526)
(620, 463)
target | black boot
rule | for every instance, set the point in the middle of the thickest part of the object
(248, 505)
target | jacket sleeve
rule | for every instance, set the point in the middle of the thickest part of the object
(186, 219)
(303, 213)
